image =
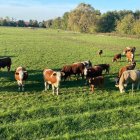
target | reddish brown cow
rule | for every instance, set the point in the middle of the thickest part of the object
(21, 75)
(131, 49)
(53, 78)
(116, 57)
(97, 81)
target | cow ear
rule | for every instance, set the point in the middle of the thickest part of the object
(62, 74)
(54, 74)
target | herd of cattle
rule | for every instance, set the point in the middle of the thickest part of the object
(93, 74)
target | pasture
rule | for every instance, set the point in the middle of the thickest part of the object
(75, 113)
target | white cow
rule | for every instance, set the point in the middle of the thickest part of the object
(129, 76)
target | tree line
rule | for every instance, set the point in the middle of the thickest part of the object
(84, 18)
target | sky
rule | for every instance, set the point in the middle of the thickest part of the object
(50, 9)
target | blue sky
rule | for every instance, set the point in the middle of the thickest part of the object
(47, 9)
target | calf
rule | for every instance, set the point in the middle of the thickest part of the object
(116, 57)
(21, 75)
(105, 67)
(100, 52)
(53, 78)
(5, 62)
(97, 81)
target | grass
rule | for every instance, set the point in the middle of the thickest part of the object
(75, 113)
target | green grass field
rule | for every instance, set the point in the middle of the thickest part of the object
(75, 113)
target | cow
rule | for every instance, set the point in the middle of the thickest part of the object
(93, 72)
(127, 67)
(105, 67)
(21, 75)
(53, 78)
(129, 49)
(96, 81)
(100, 52)
(75, 69)
(116, 57)
(129, 76)
(130, 56)
(5, 62)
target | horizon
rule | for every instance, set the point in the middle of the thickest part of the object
(44, 10)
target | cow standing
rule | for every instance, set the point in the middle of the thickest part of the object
(105, 67)
(5, 62)
(97, 81)
(116, 57)
(53, 78)
(21, 75)
(100, 52)
(129, 76)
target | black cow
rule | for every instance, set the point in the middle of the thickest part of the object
(5, 62)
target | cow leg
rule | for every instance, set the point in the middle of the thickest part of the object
(57, 90)
(133, 87)
(8, 68)
(138, 85)
(22, 87)
(19, 85)
(92, 88)
(46, 86)
(53, 89)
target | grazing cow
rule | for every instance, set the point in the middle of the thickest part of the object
(116, 57)
(21, 75)
(5, 62)
(93, 72)
(96, 81)
(125, 68)
(76, 69)
(129, 76)
(53, 78)
(105, 67)
(130, 56)
(100, 52)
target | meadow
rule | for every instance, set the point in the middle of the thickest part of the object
(76, 113)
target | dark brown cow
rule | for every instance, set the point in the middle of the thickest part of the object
(96, 81)
(116, 57)
(75, 69)
(105, 67)
(21, 75)
(93, 72)
(5, 62)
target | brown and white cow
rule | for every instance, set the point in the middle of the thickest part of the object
(96, 81)
(52, 78)
(116, 57)
(131, 49)
(5, 62)
(129, 56)
(21, 75)
(129, 76)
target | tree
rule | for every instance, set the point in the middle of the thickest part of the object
(107, 22)
(83, 18)
(136, 27)
(56, 24)
(65, 20)
(21, 23)
(125, 26)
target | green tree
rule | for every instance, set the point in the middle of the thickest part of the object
(83, 18)
(136, 27)
(125, 26)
